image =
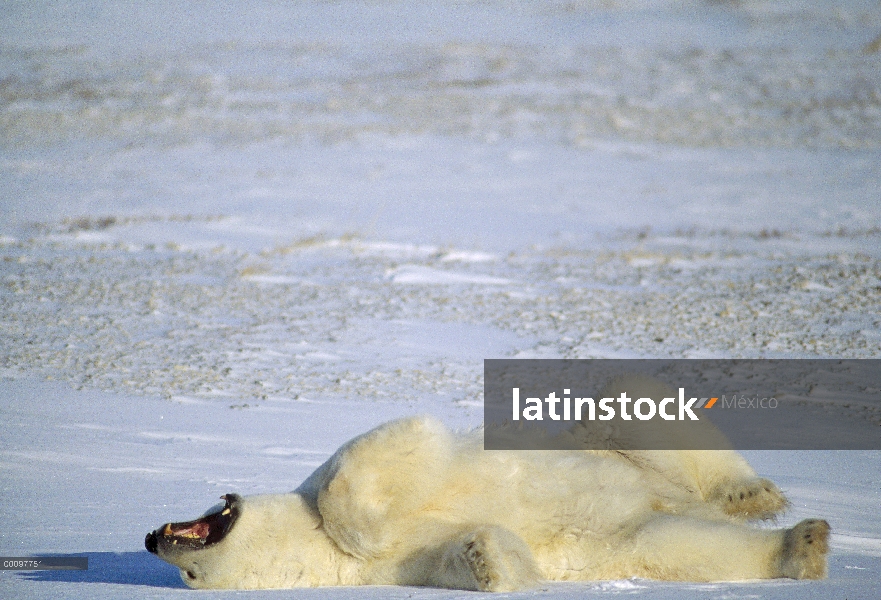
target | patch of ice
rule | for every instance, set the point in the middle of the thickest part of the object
(273, 279)
(474, 403)
(171, 436)
(856, 544)
(468, 257)
(420, 275)
(643, 261)
(129, 470)
(813, 286)
(395, 249)
(93, 237)
(624, 585)
(318, 356)
(189, 400)
(282, 451)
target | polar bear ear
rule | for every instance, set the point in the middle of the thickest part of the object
(228, 501)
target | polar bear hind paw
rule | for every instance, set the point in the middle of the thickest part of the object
(475, 555)
(804, 550)
(751, 499)
(499, 560)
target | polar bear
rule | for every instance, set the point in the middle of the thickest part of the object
(413, 503)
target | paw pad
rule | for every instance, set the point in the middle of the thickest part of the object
(754, 499)
(804, 550)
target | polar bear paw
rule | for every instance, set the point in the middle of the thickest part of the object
(487, 577)
(751, 499)
(499, 560)
(804, 550)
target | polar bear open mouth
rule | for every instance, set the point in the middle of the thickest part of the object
(200, 533)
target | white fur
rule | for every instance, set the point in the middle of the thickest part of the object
(411, 503)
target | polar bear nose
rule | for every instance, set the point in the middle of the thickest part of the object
(151, 542)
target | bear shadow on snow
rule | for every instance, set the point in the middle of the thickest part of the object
(132, 568)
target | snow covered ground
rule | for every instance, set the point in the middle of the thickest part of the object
(235, 235)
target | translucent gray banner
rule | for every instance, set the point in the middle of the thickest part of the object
(681, 404)
(44, 563)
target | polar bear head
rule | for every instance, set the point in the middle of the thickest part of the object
(266, 541)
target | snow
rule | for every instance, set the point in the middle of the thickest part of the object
(232, 237)
(417, 274)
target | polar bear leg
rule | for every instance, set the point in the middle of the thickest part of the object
(753, 498)
(804, 550)
(488, 558)
(727, 481)
(376, 480)
(721, 477)
(681, 548)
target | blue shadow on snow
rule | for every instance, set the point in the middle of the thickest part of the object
(132, 568)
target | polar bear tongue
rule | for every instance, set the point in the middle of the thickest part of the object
(192, 530)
